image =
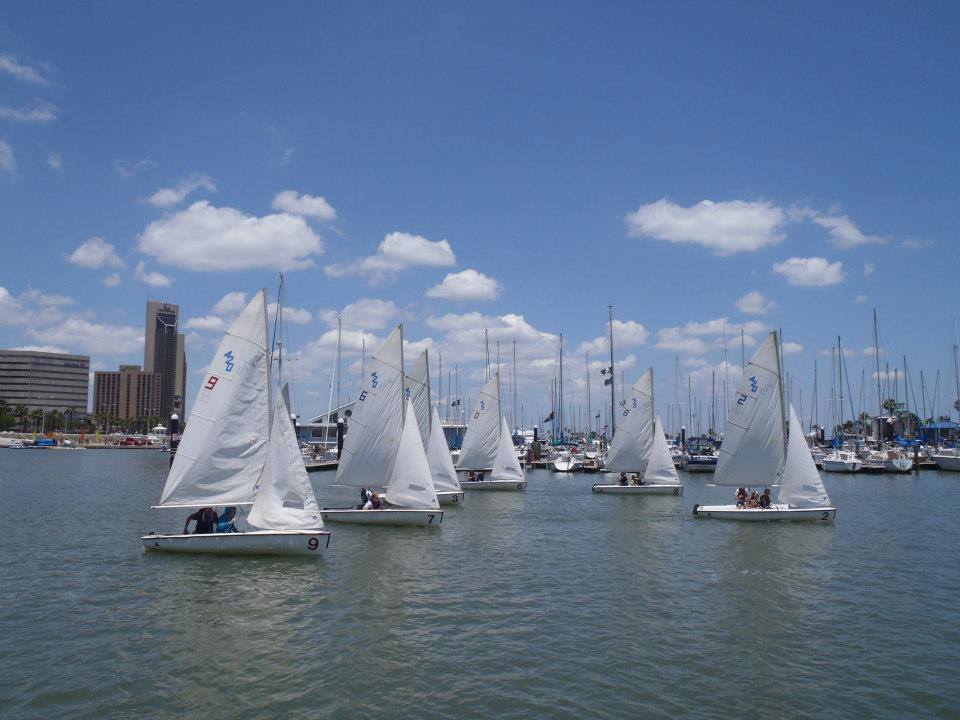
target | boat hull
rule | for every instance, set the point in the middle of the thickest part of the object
(639, 489)
(898, 465)
(506, 485)
(947, 462)
(389, 516)
(564, 466)
(699, 467)
(450, 498)
(260, 542)
(780, 513)
(841, 466)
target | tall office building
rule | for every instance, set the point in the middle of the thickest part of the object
(127, 393)
(51, 381)
(164, 354)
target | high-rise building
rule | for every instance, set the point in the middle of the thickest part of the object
(44, 380)
(128, 393)
(164, 354)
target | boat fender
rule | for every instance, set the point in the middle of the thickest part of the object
(696, 509)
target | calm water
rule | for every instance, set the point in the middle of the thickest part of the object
(554, 603)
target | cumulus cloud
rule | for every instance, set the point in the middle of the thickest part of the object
(95, 253)
(207, 238)
(153, 279)
(112, 280)
(205, 322)
(41, 348)
(7, 161)
(38, 111)
(297, 316)
(307, 205)
(754, 303)
(129, 168)
(810, 272)
(843, 232)
(21, 71)
(398, 251)
(31, 307)
(468, 284)
(81, 334)
(860, 299)
(791, 348)
(673, 339)
(698, 337)
(627, 333)
(230, 304)
(364, 314)
(54, 160)
(723, 227)
(165, 197)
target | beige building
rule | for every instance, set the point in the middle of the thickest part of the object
(51, 381)
(164, 353)
(128, 393)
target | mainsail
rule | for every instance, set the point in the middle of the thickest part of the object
(439, 460)
(753, 450)
(801, 485)
(418, 390)
(285, 499)
(627, 451)
(410, 483)
(660, 468)
(481, 439)
(224, 446)
(506, 465)
(370, 444)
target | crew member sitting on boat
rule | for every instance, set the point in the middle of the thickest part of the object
(363, 498)
(741, 498)
(623, 478)
(754, 502)
(479, 477)
(225, 523)
(206, 521)
(368, 502)
(765, 501)
(637, 480)
(471, 476)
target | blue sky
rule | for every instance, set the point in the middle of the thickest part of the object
(785, 166)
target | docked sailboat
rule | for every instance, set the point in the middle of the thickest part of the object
(639, 446)
(760, 450)
(383, 448)
(439, 460)
(488, 448)
(232, 454)
(567, 462)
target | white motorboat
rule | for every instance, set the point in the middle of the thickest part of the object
(759, 450)
(947, 459)
(842, 461)
(896, 461)
(488, 454)
(818, 455)
(232, 452)
(567, 462)
(384, 448)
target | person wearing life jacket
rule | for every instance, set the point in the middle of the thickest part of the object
(205, 519)
(765, 501)
(363, 499)
(376, 502)
(623, 479)
(368, 504)
(225, 523)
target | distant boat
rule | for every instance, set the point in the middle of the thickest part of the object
(759, 449)
(239, 448)
(567, 462)
(487, 448)
(842, 461)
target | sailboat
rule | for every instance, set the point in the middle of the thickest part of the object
(488, 446)
(760, 450)
(383, 448)
(639, 446)
(239, 448)
(439, 460)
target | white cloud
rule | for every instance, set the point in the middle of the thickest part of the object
(810, 272)
(847, 352)
(398, 251)
(860, 299)
(230, 304)
(869, 269)
(39, 111)
(843, 232)
(297, 316)
(41, 348)
(364, 314)
(80, 334)
(791, 348)
(165, 197)
(31, 307)
(307, 205)
(95, 253)
(127, 168)
(466, 285)
(112, 280)
(208, 238)
(689, 338)
(46, 300)
(627, 333)
(887, 375)
(205, 322)
(20, 71)
(672, 338)
(754, 303)
(153, 279)
(723, 227)
(915, 244)
(7, 161)
(54, 160)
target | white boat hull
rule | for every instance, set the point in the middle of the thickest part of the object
(639, 489)
(774, 512)
(450, 498)
(947, 462)
(841, 466)
(389, 516)
(699, 467)
(494, 485)
(566, 465)
(259, 542)
(898, 465)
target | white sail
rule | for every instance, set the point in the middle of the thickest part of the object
(222, 453)
(506, 465)
(660, 469)
(753, 449)
(801, 485)
(285, 499)
(411, 485)
(628, 449)
(373, 431)
(481, 439)
(438, 458)
(418, 391)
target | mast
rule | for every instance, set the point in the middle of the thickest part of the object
(426, 355)
(333, 375)
(956, 368)
(840, 380)
(586, 362)
(560, 398)
(486, 346)
(689, 403)
(713, 401)
(339, 365)
(653, 410)
(278, 332)
(403, 383)
(743, 352)
(613, 402)
(876, 354)
(514, 384)
(906, 391)
(783, 404)
(726, 365)
(440, 386)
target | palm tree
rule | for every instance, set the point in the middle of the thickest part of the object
(36, 419)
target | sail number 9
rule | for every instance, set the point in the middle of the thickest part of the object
(212, 382)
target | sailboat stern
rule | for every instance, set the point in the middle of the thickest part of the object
(259, 542)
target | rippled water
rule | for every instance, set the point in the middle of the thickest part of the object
(553, 603)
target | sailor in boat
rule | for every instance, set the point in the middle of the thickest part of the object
(205, 519)
(741, 498)
(754, 502)
(623, 479)
(226, 522)
(765, 501)
(637, 480)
